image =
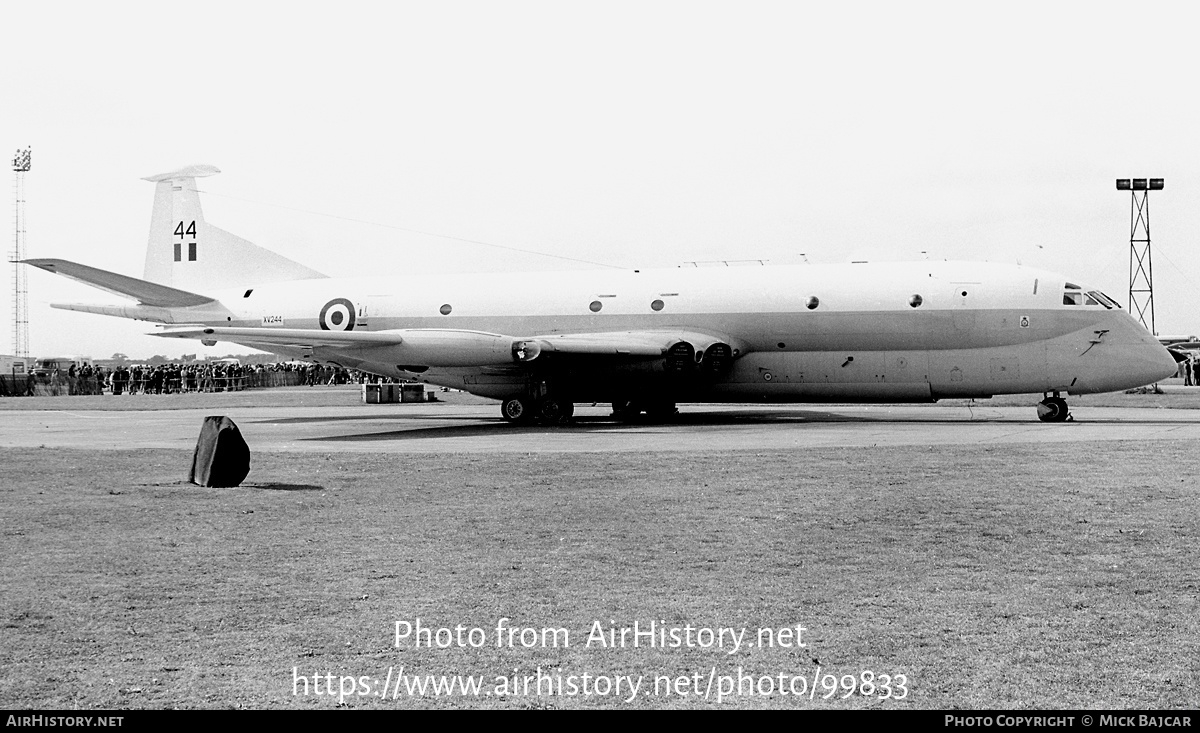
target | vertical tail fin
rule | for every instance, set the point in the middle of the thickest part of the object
(187, 252)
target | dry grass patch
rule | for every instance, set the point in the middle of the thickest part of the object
(1015, 576)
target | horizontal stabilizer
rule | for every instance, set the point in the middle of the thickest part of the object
(145, 292)
(191, 171)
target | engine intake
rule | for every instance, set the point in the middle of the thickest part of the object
(526, 350)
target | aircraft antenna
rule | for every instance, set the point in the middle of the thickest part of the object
(1141, 270)
(20, 309)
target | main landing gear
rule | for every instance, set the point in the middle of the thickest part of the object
(1053, 409)
(657, 411)
(547, 411)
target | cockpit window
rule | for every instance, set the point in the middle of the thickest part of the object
(1091, 297)
(1073, 286)
(1105, 301)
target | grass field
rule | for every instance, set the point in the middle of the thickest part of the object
(1024, 576)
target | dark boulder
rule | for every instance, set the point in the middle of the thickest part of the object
(222, 458)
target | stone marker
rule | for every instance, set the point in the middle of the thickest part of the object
(222, 457)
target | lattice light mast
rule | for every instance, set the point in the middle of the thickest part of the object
(20, 303)
(1141, 270)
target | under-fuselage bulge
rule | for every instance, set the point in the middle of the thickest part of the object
(646, 340)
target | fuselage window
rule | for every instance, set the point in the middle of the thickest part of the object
(915, 301)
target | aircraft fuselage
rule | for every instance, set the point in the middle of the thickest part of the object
(858, 332)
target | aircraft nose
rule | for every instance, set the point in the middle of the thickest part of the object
(1169, 364)
(1134, 359)
(1153, 362)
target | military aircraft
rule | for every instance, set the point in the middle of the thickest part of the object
(643, 340)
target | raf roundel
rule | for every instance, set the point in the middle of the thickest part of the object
(337, 315)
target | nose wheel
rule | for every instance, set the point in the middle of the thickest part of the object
(1053, 409)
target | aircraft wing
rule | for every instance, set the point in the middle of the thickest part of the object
(427, 347)
(615, 343)
(459, 347)
(285, 336)
(649, 343)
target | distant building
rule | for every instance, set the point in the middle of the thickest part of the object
(14, 364)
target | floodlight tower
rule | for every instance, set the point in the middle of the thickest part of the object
(20, 312)
(1141, 270)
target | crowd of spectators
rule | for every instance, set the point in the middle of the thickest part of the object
(174, 378)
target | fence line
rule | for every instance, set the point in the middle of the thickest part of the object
(22, 385)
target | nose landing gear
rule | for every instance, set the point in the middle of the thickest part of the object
(1053, 409)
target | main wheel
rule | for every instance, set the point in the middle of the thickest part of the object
(1053, 409)
(517, 410)
(659, 412)
(624, 410)
(552, 411)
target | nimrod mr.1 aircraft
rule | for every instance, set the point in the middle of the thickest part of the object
(643, 340)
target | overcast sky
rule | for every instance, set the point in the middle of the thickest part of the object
(632, 134)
